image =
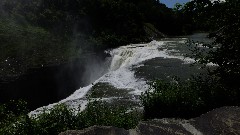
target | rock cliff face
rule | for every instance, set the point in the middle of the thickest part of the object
(221, 121)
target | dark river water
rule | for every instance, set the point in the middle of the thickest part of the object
(41, 86)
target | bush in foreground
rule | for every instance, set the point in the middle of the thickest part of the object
(61, 118)
(186, 99)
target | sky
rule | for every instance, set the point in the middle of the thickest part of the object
(171, 3)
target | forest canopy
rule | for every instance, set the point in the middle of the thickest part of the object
(54, 31)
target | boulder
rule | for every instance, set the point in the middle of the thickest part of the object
(97, 130)
(221, 121)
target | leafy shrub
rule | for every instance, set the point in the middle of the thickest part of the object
(169, 100)
(101, 113)
(14, 118)
(226, 52)
(62, 118)
(59, 119)
(9, 112)
(185, 99)
(227, 56)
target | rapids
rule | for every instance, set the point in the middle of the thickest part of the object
(121, 75)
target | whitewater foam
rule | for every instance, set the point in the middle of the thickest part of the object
(120, 74)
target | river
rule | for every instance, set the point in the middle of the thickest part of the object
(44, 85)
(131, 67)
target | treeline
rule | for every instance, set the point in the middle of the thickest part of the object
(199, 15)
(108, 22)
(223, 21)
(100, 24)
(44, 32)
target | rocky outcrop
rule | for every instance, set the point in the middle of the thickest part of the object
(152, 32)
(221, 121)
(98, 130)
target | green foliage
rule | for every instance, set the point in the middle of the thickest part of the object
(122, 18)
(199, 15)
(62, 118)
(226, 42)
(101, 113)
(26, 46)
(221, 87)
(185, 99)
(14, 119)
(59, 119)
(227, 56)
(170, 100)
(45, 32)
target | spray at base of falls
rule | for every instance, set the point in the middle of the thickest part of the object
(120, 74)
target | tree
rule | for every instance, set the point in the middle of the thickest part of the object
(227, 46)
(227, 56)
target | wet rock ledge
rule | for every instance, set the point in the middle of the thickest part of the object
(221, 121)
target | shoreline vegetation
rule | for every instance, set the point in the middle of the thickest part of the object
(42, 33)
(67, 29)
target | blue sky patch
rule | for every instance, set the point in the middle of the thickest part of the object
(171, 3)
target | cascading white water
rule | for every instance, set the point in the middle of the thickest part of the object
(120, 74)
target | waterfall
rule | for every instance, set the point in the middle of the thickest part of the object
(120, 74)
(120, 60)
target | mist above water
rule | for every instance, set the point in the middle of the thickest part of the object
(119, 71)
